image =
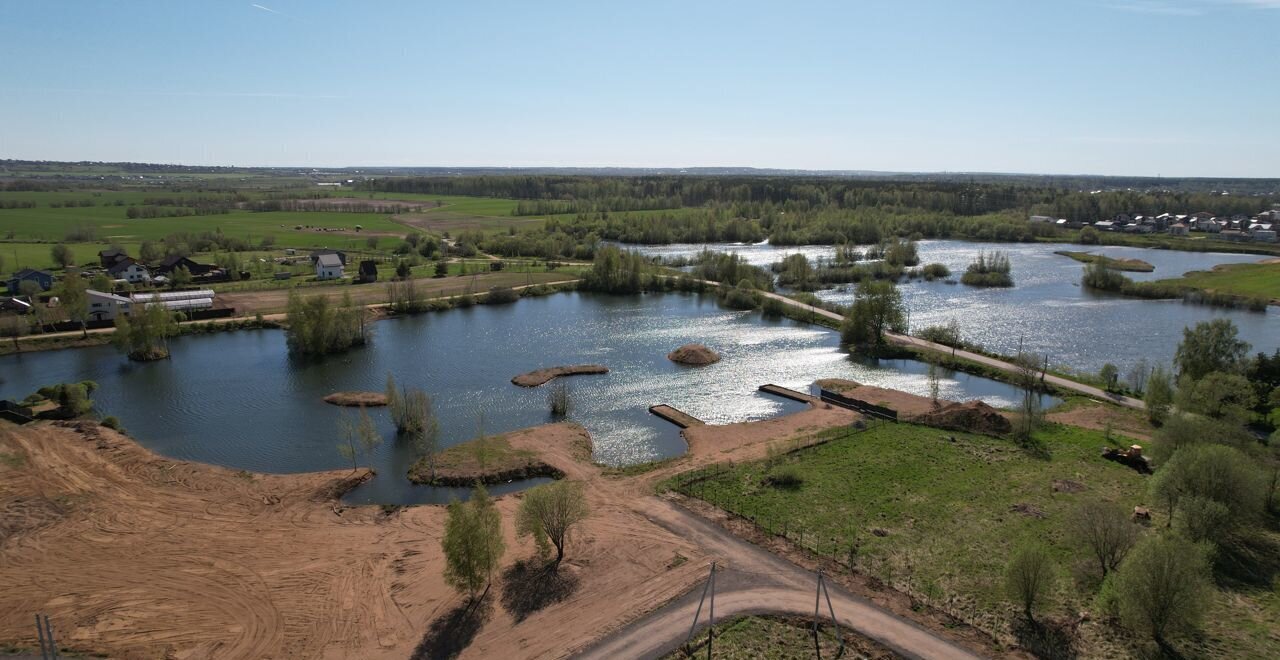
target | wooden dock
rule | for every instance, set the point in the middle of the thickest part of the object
(788, 393)
(681, 419)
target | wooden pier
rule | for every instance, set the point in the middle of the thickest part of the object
(681, 419)
(788, 393)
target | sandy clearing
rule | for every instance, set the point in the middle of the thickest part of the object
(141, 556)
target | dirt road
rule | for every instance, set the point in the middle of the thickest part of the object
(906, 340)
(750, 580)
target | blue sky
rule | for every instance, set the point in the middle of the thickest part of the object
(1142, 87)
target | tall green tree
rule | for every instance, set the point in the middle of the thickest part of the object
(877, 308)
(74, 300)
(1210, 346)
(472, 543)
(144, 333)
(1159, 394)
(314, 326)
(1212, 472)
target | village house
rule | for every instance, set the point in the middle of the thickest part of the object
(43, 278)
(316, 254)
(328, 267)
(174, 262)
(368, 272)
(107, 306)
(129, 270)
(110, 256)
(1178, 229)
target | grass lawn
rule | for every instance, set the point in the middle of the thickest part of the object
(939, 519)
(39, 255)
(1260, 280)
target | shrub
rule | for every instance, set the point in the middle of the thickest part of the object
(500, 295)
(111, 422)
(1163, 587)
(787, 476)
(993, 270)
(936, 271)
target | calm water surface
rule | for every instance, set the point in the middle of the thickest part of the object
(237, 399)
(1047, 311)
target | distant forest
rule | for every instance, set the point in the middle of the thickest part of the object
(792, 210)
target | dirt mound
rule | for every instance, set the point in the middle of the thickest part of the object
(973, 416)
(362, 399)
(540, 376)
(694, 354)
(1067, 486)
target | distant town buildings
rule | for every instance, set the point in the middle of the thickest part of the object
(1261, 228)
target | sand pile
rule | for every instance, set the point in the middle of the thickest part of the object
(694, 354)
(972, 416)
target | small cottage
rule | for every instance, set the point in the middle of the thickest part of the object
(368, 272)
(328, 267)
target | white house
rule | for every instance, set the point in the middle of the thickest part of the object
(130, 271)
(107, 306)
(328, 267)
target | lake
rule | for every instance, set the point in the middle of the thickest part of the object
(237, 399)
(1046, 311)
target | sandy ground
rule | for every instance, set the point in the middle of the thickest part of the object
(141, 556)
(1097, 416)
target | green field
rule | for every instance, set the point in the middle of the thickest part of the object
(938, 519)
(52, 221)
(1254, 280)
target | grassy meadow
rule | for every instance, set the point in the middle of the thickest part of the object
(1262, 279)
(938, 519)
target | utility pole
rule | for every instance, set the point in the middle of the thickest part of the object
(817, 596)
(708, 587)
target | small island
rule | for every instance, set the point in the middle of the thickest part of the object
(541, 376)
(502, 458)
(357, 399)
(694, 355)
(1132, 265)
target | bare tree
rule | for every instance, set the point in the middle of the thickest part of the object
(1027, 376)
(935, 382)
(1106, 530)
(1029, 577)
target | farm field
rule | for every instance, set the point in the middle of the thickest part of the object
(938, 520)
